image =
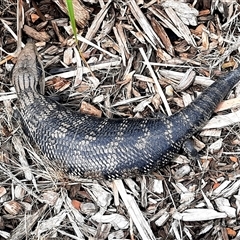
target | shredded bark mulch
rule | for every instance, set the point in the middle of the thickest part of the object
(131, 58)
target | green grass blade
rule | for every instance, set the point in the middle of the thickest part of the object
(72, 18)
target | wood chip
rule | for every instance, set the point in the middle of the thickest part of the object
(198, 215)
(39, 36)
(186, 81)
(81, 12)
(12, 207)
(223, 121)
(89, 109)
(227, 104)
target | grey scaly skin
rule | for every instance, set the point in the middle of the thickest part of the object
(98, 148)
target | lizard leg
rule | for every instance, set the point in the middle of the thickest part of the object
(190, 150)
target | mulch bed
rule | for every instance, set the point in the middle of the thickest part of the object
(132, 59)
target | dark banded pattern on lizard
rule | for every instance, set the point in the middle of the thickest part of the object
(107, 148)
